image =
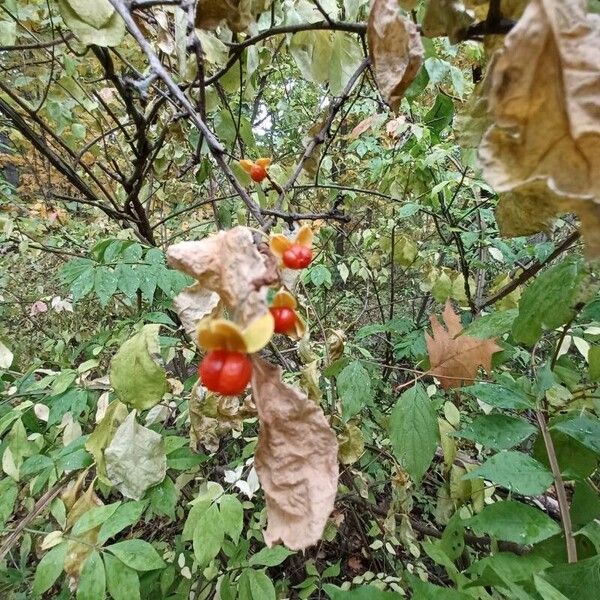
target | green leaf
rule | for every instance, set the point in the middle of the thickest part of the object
(505, 566)
(585, 429)
(507, 395)
(105, 284)
(547, 591)
(320, 275)
(8, 496)
(354, 389)
(232, 513)
(123, 583)
(366, 592)
(83, 285)
(93, 30)
(128, 279)
(137, 554)
(76, 267)
(548, 302)
(497, 431)
(440, 115)
(135, 459)
(8, 33)
(92, 581)
(453, 539)
(577, 581)
(513, 522)
(270, 557)
(437, 69)
(49, 569)
(594, 363)
(94, 517)
(126, 515)
(148, 281)
(163, 498)
(493, 325)
(515, 471)
(135, 373)
(208, 535)
(414, 431)
(255, 584)
(423, 590)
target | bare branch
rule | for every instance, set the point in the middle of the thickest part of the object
(213, 143)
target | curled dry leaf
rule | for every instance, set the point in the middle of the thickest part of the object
(296, 460)
(212, 416)
(395, 49)
(544, 101)
(229, 264)
(352, 444)
(81, 546)
(455, 358)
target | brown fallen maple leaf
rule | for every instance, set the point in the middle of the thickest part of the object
(455, 358)
(296, 460)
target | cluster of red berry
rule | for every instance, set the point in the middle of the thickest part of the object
(228, 372)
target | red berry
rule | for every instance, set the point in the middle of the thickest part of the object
(258, 173)
(285, 319)
(297, 257)
(225, 372)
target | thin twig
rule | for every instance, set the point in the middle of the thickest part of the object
(530, 271)
(559, 486)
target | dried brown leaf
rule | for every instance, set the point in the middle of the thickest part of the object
(212, 416)
(395, 48)
(545, 100)
(193, 304)
(229, 264)
(532, 208)
(455, 358)
(363, 126)
(296, 460)
(239, 14)
(80, 547)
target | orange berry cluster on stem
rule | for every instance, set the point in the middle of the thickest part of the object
(294, 253)
(256, 169)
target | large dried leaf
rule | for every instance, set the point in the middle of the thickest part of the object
(446, 17)
(193, 304)
(239, 14)
(532, 209)
(136, 458)
(296, 460)
(395, 49)
(229, 264)
(544, 100)
(455, 358)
